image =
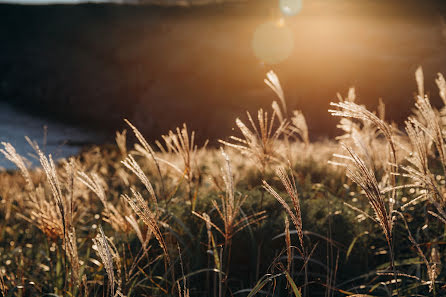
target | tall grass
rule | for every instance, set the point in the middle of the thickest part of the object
(188, 220)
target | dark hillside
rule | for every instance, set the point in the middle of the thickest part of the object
(161, 66)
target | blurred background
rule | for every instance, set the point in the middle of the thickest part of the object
(76, 67)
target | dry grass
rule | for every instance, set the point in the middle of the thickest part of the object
(211, 216)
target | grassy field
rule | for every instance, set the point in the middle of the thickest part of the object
(269, 213)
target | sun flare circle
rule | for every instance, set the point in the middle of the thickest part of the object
(272, 42)
(290, 7)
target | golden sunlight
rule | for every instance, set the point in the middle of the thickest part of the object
(273, 42)
(290, 7)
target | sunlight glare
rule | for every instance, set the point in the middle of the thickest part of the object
(273, 42)
(290, 7)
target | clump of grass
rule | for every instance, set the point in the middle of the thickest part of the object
(105, 253)
(183, 145)
(260, 144)
(230, 212)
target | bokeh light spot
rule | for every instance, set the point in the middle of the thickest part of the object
(290, 7)
(272, 42)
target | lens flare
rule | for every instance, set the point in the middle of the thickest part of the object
(272, 42)
(290, 7)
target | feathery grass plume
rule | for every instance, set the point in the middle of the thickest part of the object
(117, 260)
(112, 215)
(351, 96)
(418, 169)
(139, 206)
(290, 187)
(435, 260)
(73, 256)
(273, 82)
(419, 77)
(183, 145)
(259, 144)
(381, 109)
(134, 224)
(432, 126)
(441, 83)
(365, 178)
(299, 126)
(121, 141)
(211, 242)
(433, 192)
(147, 151)
(104, 252)
(420, 147)
(276, 108)
(355, 111)
(50, 170)
(55, 215)
(11, 154)
(70, 241)
(131, 164)
(66, 208)
(348, 126)
(69, 184)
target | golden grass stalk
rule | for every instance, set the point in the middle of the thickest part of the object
(139, 206)
(419, 171)
(419, 77)
(299, 126)
(420, 147)
(365, 178)
(182, 144)
(53, 216)
(104, 252)
(351, 95)
(355, 111)
(11, 154)
(441, 83)
(147, 151)
(276, 108)
(229, 209)
(229, 212)
(432, 126)
(273, 82)
(259, 143)
(112, 215)
(73, 256)
(131, 164)
(290, 187)
(121, 141)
